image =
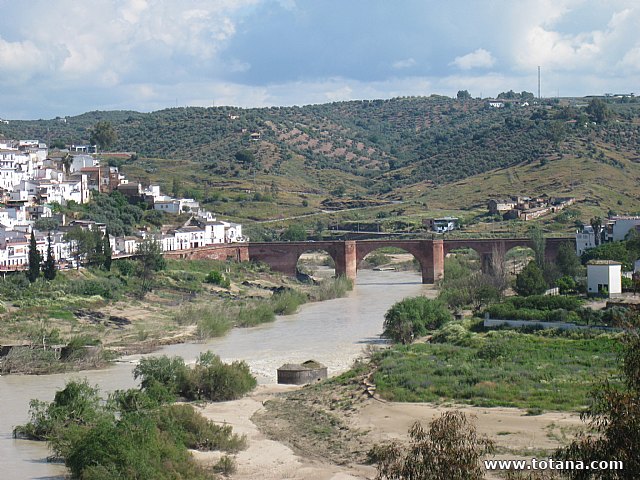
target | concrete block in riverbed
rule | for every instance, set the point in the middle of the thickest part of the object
(302, 373)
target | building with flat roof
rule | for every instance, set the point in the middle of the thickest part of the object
(604, 277)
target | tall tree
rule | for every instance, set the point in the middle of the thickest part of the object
(104, 135)
(34, 260)
(49, 265)
(81, 243)
(567, 260)
(96, 255)
(537, 244)
(596, 224)
(598, 110)
(150, 261)
(530, 281)
(107, 252)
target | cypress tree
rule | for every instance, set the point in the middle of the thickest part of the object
(34, 260)
(96, 256)
(49, 265)
(106, 251)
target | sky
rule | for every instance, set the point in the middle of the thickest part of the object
(66, 57)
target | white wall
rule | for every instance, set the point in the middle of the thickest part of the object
(609, 275)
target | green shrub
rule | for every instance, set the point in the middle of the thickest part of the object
(216, 278)
(106, 287)
(455, 334)
(250, 316)
(226, 466)
(210, 379)
(130, 447)
(77, 404)
(330, 289)
(191, 428)
(212, 321)
(376, 259)
(215, 381)
(170, 372)
(414, 317)
(287, 302)
(546, 302)
(126, 267)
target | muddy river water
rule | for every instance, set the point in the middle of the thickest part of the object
(333, 332)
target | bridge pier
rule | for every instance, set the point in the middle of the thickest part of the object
(433, 261)
(347, 263)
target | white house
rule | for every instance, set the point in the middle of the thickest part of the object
(621, 227)
(604, 277)
(82, 161)
(232, 232)
(585, 239)
(127, 245)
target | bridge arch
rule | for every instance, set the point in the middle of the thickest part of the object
(283, 256)
(362, 256)
(315, 260)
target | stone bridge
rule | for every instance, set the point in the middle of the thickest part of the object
(347, 255)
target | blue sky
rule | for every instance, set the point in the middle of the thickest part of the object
(65, 57)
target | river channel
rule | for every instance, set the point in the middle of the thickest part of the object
(333, 332)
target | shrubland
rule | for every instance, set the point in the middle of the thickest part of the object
(138, 433)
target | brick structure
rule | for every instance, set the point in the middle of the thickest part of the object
(347, 255)
(237, 252)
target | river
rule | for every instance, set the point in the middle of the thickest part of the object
(333, 332)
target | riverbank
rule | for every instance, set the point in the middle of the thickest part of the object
(332, 332)
(97, 309)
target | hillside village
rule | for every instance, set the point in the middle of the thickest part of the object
(33, 181)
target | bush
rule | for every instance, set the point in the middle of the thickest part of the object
(216, 278)
(287, 302)
(169, 372)
(193, 430)
(126, 267)
(455, 334)
(451, 449)
(131, 435)
(215, 381)
(212, 321)
(210, 379)
(330, 289)
(414, 317)
(530, 281)
(250, 316)
(105, 287)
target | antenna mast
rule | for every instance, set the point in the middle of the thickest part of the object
(538, 82)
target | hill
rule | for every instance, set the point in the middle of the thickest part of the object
(448, 153)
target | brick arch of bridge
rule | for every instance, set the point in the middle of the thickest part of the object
(283, 256)
(422, 251)
(488, 248)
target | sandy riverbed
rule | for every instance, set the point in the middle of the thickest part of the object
(516, 434)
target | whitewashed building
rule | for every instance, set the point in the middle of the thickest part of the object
(604, 277)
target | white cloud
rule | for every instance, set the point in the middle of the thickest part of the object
(541, 40)
(406, 63)
(480, 58)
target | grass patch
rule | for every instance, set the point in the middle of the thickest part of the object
(500, 368)
(332, 288)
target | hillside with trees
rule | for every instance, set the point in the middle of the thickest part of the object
(372, 147)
